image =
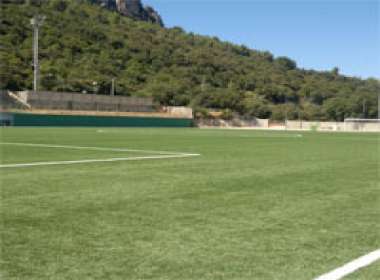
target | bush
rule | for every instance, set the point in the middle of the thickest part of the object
(227, 114)
(200, 113)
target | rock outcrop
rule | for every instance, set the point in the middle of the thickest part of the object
(133, 9)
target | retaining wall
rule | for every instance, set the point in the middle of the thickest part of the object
(253, 123)
(334, 126)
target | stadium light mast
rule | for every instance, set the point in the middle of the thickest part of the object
(113, 87)
(378, 105)
(37, 21)
(286, 113)
(364, 108)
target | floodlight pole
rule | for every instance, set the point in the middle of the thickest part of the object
(35, 57)
(378, 105)
(113, 87)
(286, 113)
(299, 116)
(36, 22)
(203, 84)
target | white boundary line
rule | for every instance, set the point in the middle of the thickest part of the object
(351, 267)
(17, 165)
(160, 155)
(90, 148)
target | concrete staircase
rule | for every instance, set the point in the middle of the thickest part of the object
(11, 100)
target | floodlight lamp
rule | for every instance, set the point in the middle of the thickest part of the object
(37, 20)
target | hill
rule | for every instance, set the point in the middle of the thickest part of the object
(83, 46)
(131, 8)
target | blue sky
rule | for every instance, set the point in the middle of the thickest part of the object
(318, 34)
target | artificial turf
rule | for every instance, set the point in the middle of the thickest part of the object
(254, 205)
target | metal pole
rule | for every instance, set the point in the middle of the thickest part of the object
(36, 22)
(35, 58)
(378, 106)
(378, 115)
(203, 85)
(286, 113)
(299, 116)
(113, 87)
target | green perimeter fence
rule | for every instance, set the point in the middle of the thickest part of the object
(29, 119)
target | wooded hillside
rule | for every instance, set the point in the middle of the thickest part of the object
(82, 43)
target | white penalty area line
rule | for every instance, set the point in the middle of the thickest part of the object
(159, 155)
(69, 162)
(351, 267)
(90, 148)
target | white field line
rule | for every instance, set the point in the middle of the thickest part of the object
(160, 155)
(91, 148)
(272, 136)
(18, 165)
(351, 267)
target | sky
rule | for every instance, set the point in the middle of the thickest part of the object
(317, 34)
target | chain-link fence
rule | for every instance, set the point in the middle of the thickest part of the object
(44, 100)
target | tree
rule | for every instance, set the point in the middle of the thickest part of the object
(81, 43)
(285, 63)
(255, 105)
(167, 91)
(336, 109)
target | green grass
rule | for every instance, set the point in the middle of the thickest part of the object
(254, 205)
(15, 154)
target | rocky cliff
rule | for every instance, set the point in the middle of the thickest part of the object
(132, 8)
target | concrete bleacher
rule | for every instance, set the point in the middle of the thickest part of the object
(88, 102)
(44, 103)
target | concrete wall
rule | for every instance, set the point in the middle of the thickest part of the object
(184, 112)
(236, 122)
(370, 126)
(334, 126)
(362, 126)
(307, 125)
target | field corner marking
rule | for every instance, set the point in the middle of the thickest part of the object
(351, 267)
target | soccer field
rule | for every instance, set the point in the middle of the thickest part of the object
(87, 203)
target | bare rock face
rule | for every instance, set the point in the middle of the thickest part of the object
(109, 4)
(133, 9)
